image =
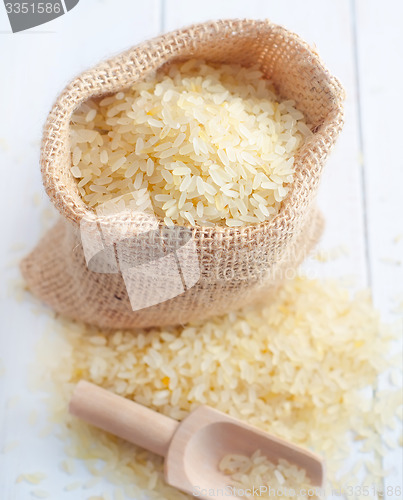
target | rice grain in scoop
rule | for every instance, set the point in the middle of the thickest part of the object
(210, 144)
(257, 476)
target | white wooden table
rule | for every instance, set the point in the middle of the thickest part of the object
(361, 194)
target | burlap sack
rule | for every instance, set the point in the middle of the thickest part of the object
(237, 265)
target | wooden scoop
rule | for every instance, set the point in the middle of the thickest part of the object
(192, 448)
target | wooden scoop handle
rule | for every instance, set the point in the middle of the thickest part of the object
(124, 418)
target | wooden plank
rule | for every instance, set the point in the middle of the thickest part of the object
(328, 26)
(39, 63)
(380, 52)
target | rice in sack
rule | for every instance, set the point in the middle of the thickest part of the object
(160, 266)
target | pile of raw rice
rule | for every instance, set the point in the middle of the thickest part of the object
(267, 479)
(295, 367)
(197, 143)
